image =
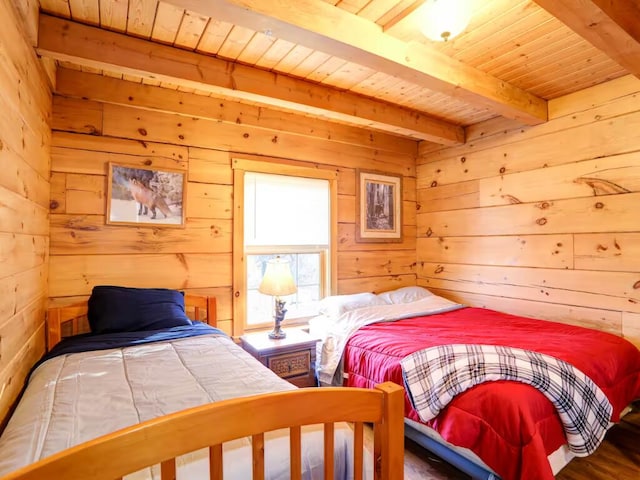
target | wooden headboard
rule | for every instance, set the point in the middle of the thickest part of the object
(72, 319)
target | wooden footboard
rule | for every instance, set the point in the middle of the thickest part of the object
(160, 440)
(72, 319)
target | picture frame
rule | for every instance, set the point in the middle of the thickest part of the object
(145, 196)
(379, 207)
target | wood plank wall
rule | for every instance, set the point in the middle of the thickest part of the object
(25, 136)
(541, 221)
(101, 119)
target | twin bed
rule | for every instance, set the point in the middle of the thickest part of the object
(149, 393)
(576, 383)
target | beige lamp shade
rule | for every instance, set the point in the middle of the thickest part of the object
(277, 280)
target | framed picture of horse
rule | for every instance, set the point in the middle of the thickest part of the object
(379, 207)
(145, 196)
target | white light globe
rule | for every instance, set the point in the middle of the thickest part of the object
(444, 19)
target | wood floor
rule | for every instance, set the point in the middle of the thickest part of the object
(618, 458)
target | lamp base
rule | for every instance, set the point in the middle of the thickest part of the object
(277, 334)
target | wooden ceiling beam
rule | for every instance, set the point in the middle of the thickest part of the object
(402, 16)
(85, 45)
(319, 25)
(100, 88)
(613, 26)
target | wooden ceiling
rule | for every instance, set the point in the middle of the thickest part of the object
(361, 62)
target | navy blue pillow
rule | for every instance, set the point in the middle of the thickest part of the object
(123, 309)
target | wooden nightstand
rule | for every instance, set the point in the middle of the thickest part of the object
(292, 358)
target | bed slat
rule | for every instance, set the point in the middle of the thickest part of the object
(215, 462)
(257, 446)
(295, 447)
(358, 449)
(168, 469)
(328, 447)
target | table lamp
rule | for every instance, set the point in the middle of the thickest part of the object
(278, 282)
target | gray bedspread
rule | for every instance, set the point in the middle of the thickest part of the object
(80, 396)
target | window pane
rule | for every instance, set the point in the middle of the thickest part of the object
(305, 268)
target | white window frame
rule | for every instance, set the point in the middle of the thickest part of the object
(240, 167)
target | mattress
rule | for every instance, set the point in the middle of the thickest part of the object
(76, 397)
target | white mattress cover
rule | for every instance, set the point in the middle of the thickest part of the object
(76, 397)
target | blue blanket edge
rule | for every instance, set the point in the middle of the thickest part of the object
(88, 341)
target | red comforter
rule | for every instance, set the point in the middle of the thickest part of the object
(511, 426)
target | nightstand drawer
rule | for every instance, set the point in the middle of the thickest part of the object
(292, 358)
(291, 364)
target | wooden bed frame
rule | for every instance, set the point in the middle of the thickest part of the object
(161, 440)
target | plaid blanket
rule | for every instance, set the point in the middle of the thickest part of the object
(433, 376)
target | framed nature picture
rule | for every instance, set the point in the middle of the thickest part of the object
(145, 196)
(379, 200)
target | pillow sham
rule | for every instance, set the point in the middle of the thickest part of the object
(405, 295)
(336, 305)
(125, 309)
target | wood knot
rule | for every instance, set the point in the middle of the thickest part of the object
(601, 248)
(245, 135)
(503, 169)
(429, 232)
(636, 285)
(142, 132)
(53, 204)
(130, 98)
(463, 159)
(512, 200)
(599, 205)
(181, 137)
(434, 184)
(541, 221)
(274, 139)
(148, 162)
(440, 269)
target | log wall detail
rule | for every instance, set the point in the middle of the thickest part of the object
(25, 137)
(97, 120)
(541, 221)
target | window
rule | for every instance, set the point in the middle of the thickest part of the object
(290, 214)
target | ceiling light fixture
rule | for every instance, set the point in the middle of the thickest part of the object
(444, 19)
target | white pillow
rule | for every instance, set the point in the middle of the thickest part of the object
(336, 305)
(405, 295)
